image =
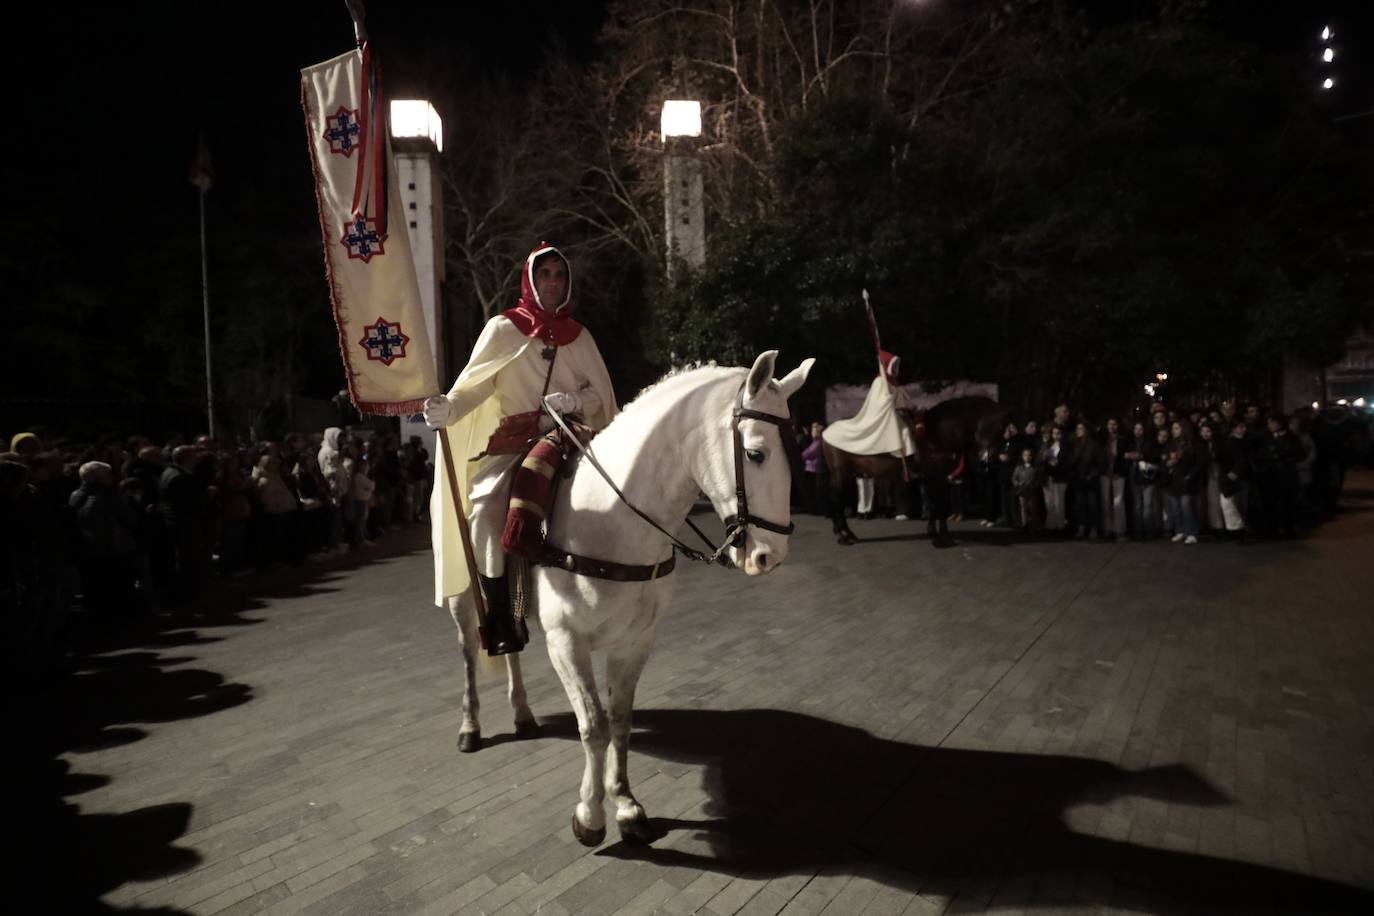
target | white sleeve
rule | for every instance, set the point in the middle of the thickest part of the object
(463, 402)
(466, 394)
(591, 401)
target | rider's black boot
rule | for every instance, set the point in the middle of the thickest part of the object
(503, 634)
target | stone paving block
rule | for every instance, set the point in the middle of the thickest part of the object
(456, 898)
(649, 901)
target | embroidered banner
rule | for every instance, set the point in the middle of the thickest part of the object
(372, 286)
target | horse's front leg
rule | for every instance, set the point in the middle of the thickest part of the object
(572, 659)
(623, 667)
(526, 725)
(464, 614)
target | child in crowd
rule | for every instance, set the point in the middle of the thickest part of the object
(364, 488)
(1025, 483)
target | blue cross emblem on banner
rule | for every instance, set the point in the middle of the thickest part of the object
(341, 130)
(361, 239)
(384, 341)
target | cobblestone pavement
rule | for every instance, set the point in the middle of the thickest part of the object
(880, 729)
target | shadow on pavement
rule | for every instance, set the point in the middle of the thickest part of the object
(791, 793)
(73, 857)
(121, 675)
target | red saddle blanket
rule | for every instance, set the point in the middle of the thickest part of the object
(531, 493)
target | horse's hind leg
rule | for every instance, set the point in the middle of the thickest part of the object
(623, 668)
(526, 726)
(572, 659)
(464, 616)
(839, 527)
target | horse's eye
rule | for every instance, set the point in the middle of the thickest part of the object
(754, 455)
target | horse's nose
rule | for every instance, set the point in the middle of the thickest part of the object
(762, 560)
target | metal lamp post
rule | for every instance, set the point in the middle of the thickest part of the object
(417, 135)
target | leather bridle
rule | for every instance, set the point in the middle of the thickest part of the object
(742, 517)
(738, 527)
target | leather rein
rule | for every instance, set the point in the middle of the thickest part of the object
(735, 530)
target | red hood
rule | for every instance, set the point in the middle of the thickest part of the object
(889, 364)
(535, 319)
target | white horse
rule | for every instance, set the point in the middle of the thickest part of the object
(675, 440)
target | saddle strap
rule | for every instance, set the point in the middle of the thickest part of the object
(604, 569)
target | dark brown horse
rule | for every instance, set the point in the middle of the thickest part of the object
(945, 433)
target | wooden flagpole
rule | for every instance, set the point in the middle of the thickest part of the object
(478, 598)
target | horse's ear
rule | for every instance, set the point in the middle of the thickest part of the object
(793, 380)
(761, 374)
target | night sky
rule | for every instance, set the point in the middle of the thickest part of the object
(110, 99)
(114, 96)
(119, 92)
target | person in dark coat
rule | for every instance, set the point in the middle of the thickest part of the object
(1007, 457)
(1234, 474)
(1187, 476)
(1115, 472)
(1142, 462)
(1089, 463)
(1276, 470)
(109, 541)
(1056, 462)
(184, 499)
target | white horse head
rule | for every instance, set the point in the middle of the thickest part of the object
(767, 467)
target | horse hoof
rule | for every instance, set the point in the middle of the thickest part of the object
(637, 830)
(469, 742)
(527, 729)
(587, 836)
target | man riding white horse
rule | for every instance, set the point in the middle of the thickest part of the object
(492, 414)
(881, 427)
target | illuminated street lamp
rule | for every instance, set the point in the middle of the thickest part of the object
(680, 119)
(683, 189)
(1328, 83)
(416, 118)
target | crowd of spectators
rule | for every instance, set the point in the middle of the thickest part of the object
(130, 530)
(1219, 473)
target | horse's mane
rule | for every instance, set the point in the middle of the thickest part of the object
(677, 378)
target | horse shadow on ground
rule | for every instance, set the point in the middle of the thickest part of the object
(793, 794)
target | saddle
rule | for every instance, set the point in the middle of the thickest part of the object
(532, 490)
